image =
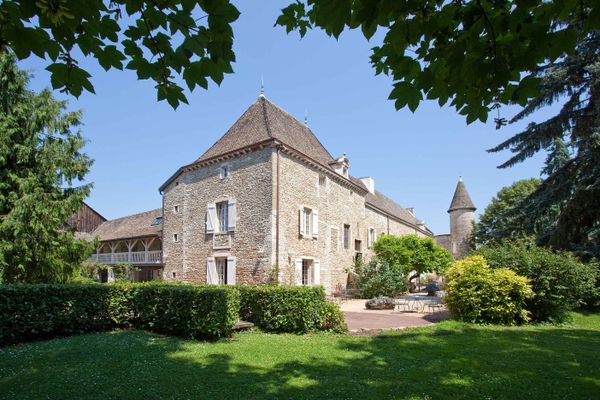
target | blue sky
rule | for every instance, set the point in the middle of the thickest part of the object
(137, 142)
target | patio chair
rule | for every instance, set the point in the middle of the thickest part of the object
(402, 302)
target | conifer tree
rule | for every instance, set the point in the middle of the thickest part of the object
(41, 169)
(565, 210)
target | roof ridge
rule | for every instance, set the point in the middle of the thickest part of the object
(300, 122)
(263, 100)
(133, 215)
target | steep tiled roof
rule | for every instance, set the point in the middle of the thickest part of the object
(461, 199)
(389, 206)
(262, 121)
(131, 226)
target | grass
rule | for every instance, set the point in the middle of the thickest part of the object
(448, 361)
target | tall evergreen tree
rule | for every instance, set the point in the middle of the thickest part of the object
(41, 168)
(565, 209)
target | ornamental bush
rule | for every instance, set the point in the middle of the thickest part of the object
(559, 280)
(32, 312)
(378, 278)
(478, 293)
(296, 309)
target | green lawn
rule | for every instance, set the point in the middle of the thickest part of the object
(448, 361)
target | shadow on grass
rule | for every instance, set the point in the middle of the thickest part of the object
(454, 363)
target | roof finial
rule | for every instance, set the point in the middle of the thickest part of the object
(262, 87)
(306, 117)
(460, 178)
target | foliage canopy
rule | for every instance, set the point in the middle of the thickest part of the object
(474, 54)
(497, 220)
(156, 39)
(409, 253)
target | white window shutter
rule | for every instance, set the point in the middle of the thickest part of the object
(211, 217)
(316, 272)
(298, 272)
(302, 223)
(315, 224)
(231, 215)
(231, 270)
(211, 271)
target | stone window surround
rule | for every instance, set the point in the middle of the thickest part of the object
(309, 220)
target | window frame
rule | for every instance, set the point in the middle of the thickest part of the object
(224, 172)
(222, 214)
(346, 236)
(307, 275)
(221, 263)
(370, 237)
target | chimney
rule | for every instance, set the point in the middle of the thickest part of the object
(369, 183)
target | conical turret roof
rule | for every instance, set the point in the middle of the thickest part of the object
(461, 199)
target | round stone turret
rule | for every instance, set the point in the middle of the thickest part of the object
(462, 217)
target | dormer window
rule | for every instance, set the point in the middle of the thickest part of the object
(157, 221)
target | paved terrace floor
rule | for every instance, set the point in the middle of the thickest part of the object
(359, 318)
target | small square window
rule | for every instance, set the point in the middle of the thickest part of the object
(175, 237)
(176, 209)
(174, 274)
(357, 245)
(322, 180)
(224, 171)
(157, 221)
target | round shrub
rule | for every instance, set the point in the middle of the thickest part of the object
(559, 280)
(333, 319)
(477, 293)
(378, 278)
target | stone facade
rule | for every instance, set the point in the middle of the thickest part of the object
(250, 185)
(300, 218)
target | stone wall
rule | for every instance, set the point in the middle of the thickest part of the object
(250, 184)
(336, 204)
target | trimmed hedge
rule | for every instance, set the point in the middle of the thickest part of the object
(296, 309)
(194, 311)
(32, 312)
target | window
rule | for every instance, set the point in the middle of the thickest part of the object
(176, 209)
(157, 221)
(370, 237)
(222, 216)
(346, 236)
(221, 264)
(175, 237)
(174, 274)
(224, 171)
(307, 218)
(309, 223)
(322, 180)
(306, 272)
(357, 245)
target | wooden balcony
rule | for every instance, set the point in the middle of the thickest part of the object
(129, 257)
